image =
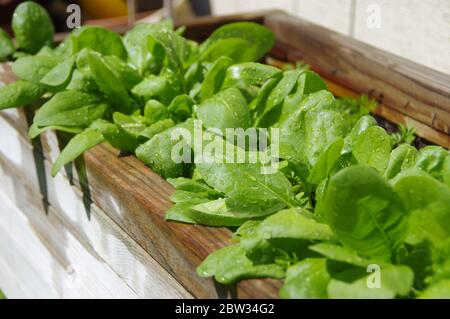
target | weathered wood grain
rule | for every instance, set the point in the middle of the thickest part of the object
(414, 91)
(20, 154)
(139, 211)
(137, 199)
(382, 110)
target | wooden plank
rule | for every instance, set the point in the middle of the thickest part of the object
(136, 198)
(10, 282)
(132, 223)
(20, 152)
(20, 277)
(177, 247)
(140, 226)
(116, 247)
(141, 272)
(143, 219)
(382, 110)
(415, 91)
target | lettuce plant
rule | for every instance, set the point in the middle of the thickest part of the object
(350, 212)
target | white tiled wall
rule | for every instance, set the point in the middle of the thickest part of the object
(333, 14)
(234, 6)
(418, 30)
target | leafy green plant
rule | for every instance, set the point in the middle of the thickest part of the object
(406, 134)
(358, 106)
(346, 196)
(30, 17)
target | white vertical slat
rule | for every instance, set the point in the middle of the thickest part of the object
(49, 261)
(113, 248)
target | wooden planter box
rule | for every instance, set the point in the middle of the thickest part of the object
(103, 234)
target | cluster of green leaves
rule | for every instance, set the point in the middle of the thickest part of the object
(346, 195)
(406, 134)
(362, 202)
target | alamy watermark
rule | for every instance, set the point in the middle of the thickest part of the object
(74, 18)
(374, 279)
(373, 20)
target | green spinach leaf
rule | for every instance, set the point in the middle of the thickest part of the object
(33, 68)
(60, 75)
(373, 147)
(394, 281)
(109, 84)
(226, 109)
(20, 93)
(214, 77)
(70, 108)
(428, 202)
(307, 279)
(99, 39)
(80, 143)
(365, 212)
(258, 40)
(32, 26)
(230, 264)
